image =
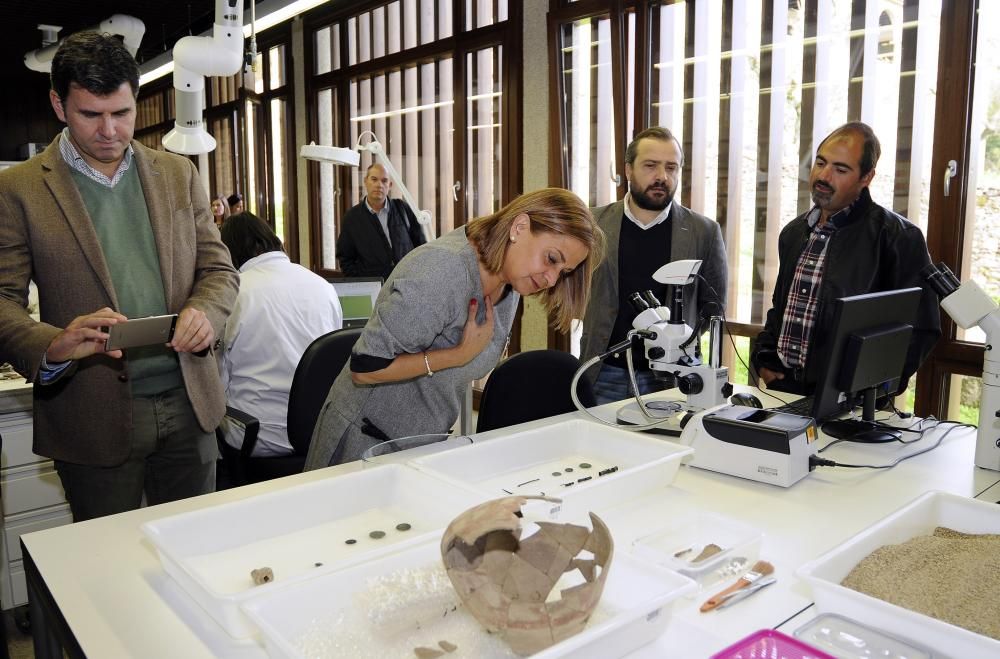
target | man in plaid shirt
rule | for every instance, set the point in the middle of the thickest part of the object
(846, 244)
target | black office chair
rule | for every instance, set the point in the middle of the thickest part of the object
(531, 385)
(318, 367)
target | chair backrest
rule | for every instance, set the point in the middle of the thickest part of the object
(319, 366)
(531, 385)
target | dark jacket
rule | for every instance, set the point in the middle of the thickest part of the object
(875, 250)
(363, 249)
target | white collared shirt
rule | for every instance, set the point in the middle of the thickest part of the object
(662, 217)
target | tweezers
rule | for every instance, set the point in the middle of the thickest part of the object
(746, 592)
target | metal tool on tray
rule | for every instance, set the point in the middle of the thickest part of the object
(743, 593)
(744, 586)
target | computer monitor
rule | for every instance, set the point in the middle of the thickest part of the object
(357, 297)
(866, 355)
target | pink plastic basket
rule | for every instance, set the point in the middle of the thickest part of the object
(770, 644)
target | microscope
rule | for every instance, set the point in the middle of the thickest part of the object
(673, 350)
(969, 306)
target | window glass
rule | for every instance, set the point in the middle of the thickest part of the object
(250, 193)
(329, 193)
(276, 66)
(480, 13)
(980, 256)
(327, 41)
(753, 86)
(410, 112)
(483, 141)
(278, 169)
(408, 106)
(591, 157)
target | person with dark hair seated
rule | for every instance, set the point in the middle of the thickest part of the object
(281, 308)
(235, 202)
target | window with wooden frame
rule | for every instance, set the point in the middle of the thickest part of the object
(751, 87)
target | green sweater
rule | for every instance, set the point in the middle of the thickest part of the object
(121, 219)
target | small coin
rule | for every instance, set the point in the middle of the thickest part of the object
(585, 465)
(557, 473)
(350, 541)
(403, 527)
(376, 535)
(568, 469)
(318, 564)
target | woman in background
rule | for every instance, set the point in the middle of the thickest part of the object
(444, 315)
(220, 210)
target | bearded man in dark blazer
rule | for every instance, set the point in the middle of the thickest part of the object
(645, 230)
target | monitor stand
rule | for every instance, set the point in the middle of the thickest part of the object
(866, 430)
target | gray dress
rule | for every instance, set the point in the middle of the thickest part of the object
(423, 306)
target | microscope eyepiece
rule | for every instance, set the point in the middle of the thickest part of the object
(938, 278)
(637, 302)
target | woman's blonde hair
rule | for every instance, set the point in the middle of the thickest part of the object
(550, 210)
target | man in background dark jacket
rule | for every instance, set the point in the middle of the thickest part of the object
(378, 232)
(845, 245)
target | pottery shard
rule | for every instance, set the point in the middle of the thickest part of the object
(262, 575)
(570, 536)
(504, 581)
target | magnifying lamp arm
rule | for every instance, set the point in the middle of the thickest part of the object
(194, 59)
(129, 28)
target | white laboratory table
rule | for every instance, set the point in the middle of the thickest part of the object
(97, 589)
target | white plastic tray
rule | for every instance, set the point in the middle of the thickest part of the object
(299, 532)
(690, 532)
(919, 517)
(547, 460)
(635, 608)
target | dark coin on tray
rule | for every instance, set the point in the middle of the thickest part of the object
(568, 469)
(403, 527)
(585, 465)
(350, 541)
(376, 535)
(559, 473)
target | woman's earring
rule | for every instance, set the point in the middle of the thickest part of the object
(513, 239)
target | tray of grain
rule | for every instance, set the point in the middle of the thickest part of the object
(943, 552)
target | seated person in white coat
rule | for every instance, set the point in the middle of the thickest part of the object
(281, 308)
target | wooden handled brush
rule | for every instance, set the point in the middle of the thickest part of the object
(760, 569)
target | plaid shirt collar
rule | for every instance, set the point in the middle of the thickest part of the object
(75, 160)
(837, 220)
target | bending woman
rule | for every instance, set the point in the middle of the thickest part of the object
(443, 319)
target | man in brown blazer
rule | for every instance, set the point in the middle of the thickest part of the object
(111, 230)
